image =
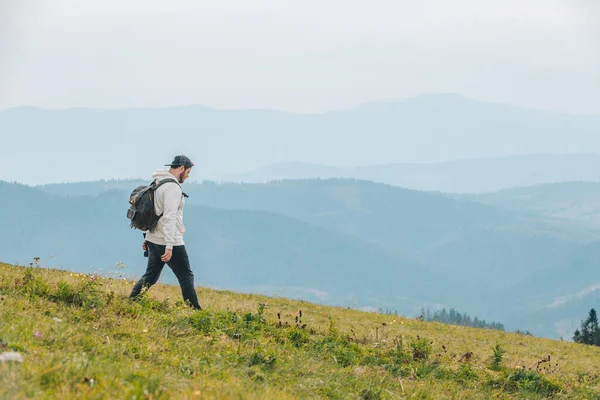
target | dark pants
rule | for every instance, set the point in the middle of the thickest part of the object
(179, 263)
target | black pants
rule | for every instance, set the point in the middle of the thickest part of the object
(179, 263)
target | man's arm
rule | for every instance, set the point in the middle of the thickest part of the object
(172, 199)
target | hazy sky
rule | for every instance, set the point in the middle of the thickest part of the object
(303, 55)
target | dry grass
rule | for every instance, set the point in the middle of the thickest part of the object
(83, 338)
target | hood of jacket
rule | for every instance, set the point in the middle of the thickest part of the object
(162, 174)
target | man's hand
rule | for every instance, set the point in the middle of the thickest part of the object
(144, 246)
(167, 256)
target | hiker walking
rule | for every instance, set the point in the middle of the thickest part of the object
(164, 242)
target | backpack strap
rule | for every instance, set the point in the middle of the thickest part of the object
(160, 183)
(167, 180)
(156, 186)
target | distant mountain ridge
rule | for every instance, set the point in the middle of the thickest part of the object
(424, 129)
(577, 201)
(473, 176)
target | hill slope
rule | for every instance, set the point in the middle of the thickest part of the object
(577, 201)
(480, 251)
(385, 214)
(78, 336)
(235, 249)
(553, 297)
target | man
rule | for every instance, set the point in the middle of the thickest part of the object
(165, 242)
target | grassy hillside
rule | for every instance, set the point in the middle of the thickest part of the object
(80, 337)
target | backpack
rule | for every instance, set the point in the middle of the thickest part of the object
(141, 212)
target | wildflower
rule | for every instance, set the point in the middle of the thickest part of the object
(37, 334)
(88, 380)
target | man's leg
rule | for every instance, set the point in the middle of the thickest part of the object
(180, 264)
(153, 270)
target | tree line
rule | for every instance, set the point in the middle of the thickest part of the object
(589, 332)
(456, 318)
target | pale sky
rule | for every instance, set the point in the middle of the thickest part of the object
(303, 55)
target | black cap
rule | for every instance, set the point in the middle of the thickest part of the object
(180, 160)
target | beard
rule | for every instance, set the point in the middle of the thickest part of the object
(182, 176)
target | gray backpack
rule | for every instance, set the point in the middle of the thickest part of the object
(141, 211)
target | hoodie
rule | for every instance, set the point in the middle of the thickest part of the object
(169, 201)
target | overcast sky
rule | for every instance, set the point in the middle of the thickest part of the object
(303, 55)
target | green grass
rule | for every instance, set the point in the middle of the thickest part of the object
(80, 337)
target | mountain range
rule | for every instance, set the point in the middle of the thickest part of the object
(474, 176)
(80, 144)
(234, 249)
(338, 241)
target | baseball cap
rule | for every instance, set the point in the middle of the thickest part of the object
(181, 160)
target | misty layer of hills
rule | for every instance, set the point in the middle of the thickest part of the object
(460, 176)
(525, 257)
(421, 132)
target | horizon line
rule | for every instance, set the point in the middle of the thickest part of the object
(383, 101)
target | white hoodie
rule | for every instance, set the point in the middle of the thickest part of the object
(169, 201)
